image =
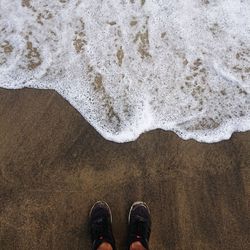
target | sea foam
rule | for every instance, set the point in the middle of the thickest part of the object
(130, 66)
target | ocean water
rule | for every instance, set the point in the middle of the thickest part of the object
(130, 66)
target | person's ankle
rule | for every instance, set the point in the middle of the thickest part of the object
(137, 246)
(105, 246)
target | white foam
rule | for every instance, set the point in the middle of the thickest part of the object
(130, 66)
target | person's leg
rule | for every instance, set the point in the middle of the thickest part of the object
(137, 246)
(105, 246)
(139, 226)
(100, 219)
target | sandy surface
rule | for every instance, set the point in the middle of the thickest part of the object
(54, 165)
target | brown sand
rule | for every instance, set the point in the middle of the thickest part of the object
(54, 165)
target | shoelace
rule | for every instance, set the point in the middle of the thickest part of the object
(140, 229)
(100, 228)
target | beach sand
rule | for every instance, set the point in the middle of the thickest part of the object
(54, 166)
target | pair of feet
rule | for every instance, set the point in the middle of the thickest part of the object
(101, 226)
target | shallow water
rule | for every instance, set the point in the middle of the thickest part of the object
(136, 65)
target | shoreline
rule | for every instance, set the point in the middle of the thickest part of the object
(117, 138)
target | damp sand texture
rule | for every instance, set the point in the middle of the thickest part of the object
(54, 166)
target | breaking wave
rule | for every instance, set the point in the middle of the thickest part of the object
(130, 66)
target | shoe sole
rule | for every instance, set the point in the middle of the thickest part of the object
(103, 203)
(135, 204)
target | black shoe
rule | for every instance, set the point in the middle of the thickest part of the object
(139, 224)
(101, 225)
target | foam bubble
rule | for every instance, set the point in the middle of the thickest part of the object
(136, 65)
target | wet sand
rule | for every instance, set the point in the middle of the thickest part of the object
(54, 165)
